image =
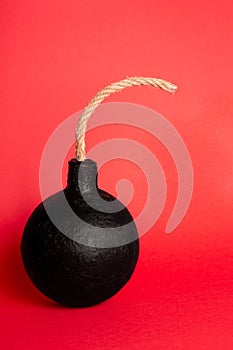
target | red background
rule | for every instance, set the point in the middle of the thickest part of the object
(55, 55)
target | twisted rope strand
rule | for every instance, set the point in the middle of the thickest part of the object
(107, 91)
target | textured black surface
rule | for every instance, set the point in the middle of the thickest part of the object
(71, 272)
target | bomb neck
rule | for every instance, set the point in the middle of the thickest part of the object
(82, 175)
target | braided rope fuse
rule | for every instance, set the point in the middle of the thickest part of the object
(107, 91)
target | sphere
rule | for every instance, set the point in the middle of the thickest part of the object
(80, 246)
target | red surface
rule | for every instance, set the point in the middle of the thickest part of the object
(55, 55)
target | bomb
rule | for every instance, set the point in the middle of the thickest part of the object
(73, 273)
(80, 246)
